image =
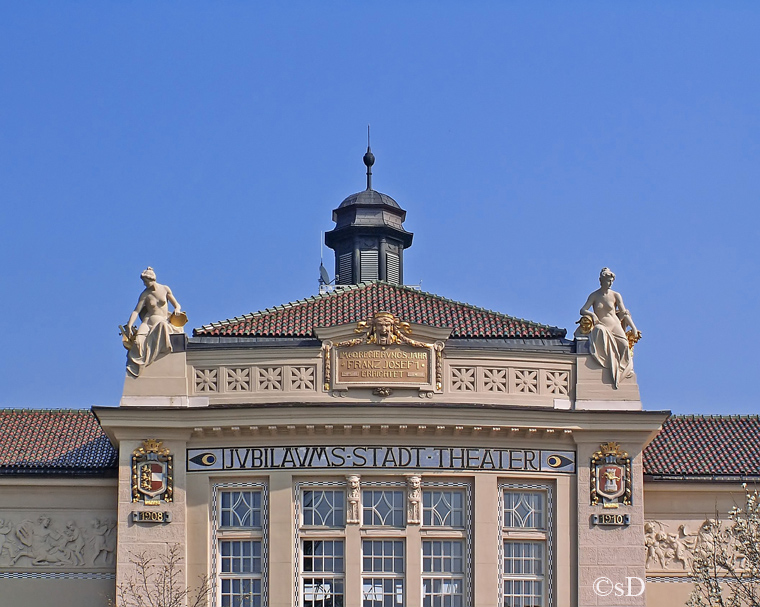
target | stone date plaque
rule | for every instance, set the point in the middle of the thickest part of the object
(151, 516)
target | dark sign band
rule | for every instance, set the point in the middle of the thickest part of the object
(384, 457)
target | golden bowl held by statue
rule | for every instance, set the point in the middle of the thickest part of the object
(178, 320)
(586, 324)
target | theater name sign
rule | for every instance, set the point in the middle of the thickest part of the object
(380, 457)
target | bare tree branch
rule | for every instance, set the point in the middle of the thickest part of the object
(158, 582)
(726, 563)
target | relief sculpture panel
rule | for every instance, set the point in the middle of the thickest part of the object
(60, 541)
(672, 546)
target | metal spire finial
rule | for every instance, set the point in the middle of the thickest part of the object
(369, 160)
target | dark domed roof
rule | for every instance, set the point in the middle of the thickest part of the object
(369, 197)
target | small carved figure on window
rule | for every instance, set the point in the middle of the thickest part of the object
(414, 500)
(353, 515)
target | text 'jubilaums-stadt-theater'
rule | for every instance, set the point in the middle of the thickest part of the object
(373, 445)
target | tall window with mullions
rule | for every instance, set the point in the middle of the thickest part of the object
(443, 558)
(526, 523)
(240, 556)
(383, 560)
(383, 573)
(322, 564)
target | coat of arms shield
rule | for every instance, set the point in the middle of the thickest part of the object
(151, 473)
(610, 481)
(611, 476)
(152, 478)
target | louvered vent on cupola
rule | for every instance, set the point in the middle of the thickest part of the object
(393, 268)
(344, 269)
(370, 269)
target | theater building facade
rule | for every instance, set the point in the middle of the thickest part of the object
(372, 445)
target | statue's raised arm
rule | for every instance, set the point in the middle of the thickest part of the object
(151, 340)
(611, 330)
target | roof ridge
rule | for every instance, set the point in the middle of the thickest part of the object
(464, 303)
(45, 410)
(289, 304)
(339, 289)
(715, 416)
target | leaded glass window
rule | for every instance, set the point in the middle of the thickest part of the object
(240, 552)
(324, 508)
(383, 568)
(524, 558)
(241, 592)
(524, 509)
(323, 568)
(523, 593)
(524, 542)
(323, 556)
(442, 573)
(240, 556)
(241, 509)
(383, 508)
(443, 508)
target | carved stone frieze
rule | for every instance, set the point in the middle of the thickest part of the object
(558, 382)
(302, 378)
(667, 549)
(56, 541)
(526, 381)
(495, 380)
(505, 380)
(268, 378)
(239, 380)
(463, 379)
(206, 380)
(673, 545)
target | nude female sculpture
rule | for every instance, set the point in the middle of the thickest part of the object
(150, 341)
(608, 341)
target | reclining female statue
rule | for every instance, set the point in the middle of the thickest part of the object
(150, 341)
(608, 341)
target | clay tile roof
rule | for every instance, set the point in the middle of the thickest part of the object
(57, 441)
(706, 446)
(353, 303)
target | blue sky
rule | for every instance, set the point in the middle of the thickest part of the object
(530, 143)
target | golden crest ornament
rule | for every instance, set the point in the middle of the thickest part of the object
(611, 476)
(152, 473)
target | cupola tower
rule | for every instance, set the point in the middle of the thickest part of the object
(369, 237)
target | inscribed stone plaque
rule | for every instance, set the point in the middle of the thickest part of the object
(381, 365)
